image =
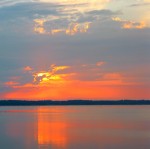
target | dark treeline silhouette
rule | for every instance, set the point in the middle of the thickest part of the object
(72, 102)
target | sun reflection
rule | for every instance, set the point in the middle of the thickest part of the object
(51, 128)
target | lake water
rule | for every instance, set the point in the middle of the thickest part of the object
(75, 127)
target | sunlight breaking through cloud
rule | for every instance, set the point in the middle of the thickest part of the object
(44, 77)
(97, 46)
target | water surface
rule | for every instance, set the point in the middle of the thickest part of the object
(75, 127)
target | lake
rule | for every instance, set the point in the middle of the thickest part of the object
(75, 127)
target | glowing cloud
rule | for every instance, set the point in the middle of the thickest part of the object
(77, 28)
(11, 83)
(27, 68)
(72, 29)
(46, 77)
(66, 82)
(68, 16)
(100, 63)
(39, 26)
(117, 19)
(130, 24)
(134, 25)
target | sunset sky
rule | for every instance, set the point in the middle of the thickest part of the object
(75, 49)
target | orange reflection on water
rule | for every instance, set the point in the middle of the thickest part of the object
(51, 130)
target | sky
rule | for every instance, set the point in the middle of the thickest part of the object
(74, 49)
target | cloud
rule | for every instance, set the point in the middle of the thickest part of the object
(68, 82)
(104, 12)
(71, 29)
(113, 76)
(61, 74)
(7, 3)
(134, 25)
(60, 17)
(140, 4)
(27, 68)
(100, 63)
(70, 23)
(126, 24)
(46, 77)
(11, 83)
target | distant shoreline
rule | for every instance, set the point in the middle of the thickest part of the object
(72, 102)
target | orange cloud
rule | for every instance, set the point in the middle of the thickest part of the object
(39, 26)
(27, 68)
(77, 28)
(100, 63)
(56, 31)
(39, 30)
(11, 83)
(45, 77)
(63, 82)
(57, 68)
(130, 24)
(112, 76)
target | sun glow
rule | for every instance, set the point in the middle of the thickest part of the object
(51, 76)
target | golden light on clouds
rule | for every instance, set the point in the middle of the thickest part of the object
(66, 82)
(71, 29)
(69, 15)
(51, 76)
(39, 30)
(117, 19)
(46, 77)
(39, 26)
(133, 25)
(67, 20)
(75, 28)
(126, 24)
(57, 68)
